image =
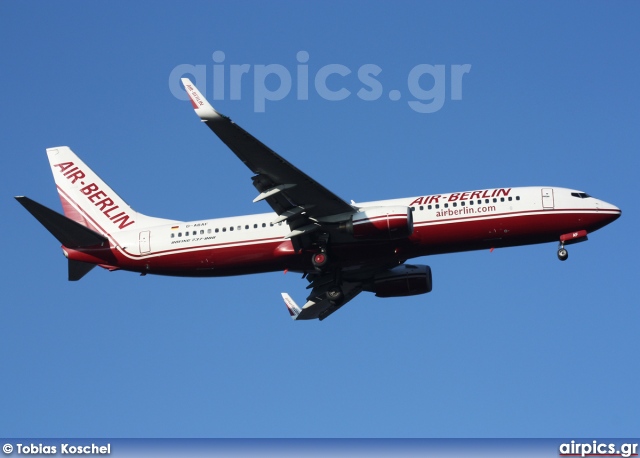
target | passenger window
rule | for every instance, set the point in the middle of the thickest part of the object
(201, 232)
(179, 234)
(173, 235)
(264, 224)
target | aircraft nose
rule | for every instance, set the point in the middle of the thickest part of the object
(618, 214)
(611, 210)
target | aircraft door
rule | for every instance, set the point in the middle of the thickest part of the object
(145, 242)
(547, 197)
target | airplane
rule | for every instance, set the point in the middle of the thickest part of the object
(341, 248)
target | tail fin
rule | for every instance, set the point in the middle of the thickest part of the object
(88, 200)
(293, 308)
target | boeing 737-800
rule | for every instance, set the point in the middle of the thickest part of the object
(341, 248)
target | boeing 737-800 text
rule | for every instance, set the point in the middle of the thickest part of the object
(341, 248)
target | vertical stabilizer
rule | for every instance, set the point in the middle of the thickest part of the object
(88, 200)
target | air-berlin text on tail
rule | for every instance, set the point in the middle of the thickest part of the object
(461, 196)
(96, 196)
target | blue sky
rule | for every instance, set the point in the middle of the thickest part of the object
(511, 343)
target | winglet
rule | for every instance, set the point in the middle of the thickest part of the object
(293, 308)
(203, 108)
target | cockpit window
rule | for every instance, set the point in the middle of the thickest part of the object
(580, 195)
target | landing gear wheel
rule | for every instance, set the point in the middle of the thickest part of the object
(335, 295)
(319, 260)
(563, 254)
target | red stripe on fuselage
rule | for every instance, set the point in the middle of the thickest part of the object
(520, 228)
(433, 236)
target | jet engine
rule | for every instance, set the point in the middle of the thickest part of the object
(404, 280)
(388, 223)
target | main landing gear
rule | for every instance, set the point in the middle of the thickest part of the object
(320, 259)
(335, 295)
(327, 277)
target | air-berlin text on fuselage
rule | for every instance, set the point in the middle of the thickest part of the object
(460, 196)
(96, 196)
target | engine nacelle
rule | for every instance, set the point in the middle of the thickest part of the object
(404, 280)
(386, 223)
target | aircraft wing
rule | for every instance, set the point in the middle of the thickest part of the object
(300, 201)
(318, 305)
(289, 191)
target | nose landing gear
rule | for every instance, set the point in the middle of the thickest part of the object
(567, 239)
(563, 254)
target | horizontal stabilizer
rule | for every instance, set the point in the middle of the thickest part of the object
(78, 269)
(68, 232)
